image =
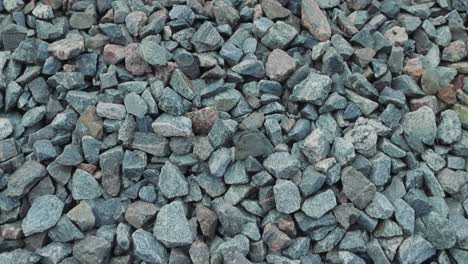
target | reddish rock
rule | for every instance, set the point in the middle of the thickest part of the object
(89, 168)
(11, 231)
(207, 219)
(68, 68)
(397, 35)
(314, 19)
(140, 213)
(279, 65)
(164, 72)
(67, 48)
(455, 51)
(459, 82)
(203, 120)
(288, 227)
(275, 238)
(133, 62)
(430, 101)
(414, 68)
(448, 94)
(113, 53)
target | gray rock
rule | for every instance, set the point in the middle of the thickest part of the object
(451, 181)
(24, 178)
(314, 89)
(147, 248)
(84, 186)
(92, 249)
(153, 53)
(20, 256)
(44, 213)
(319, 204)
(172, 182)
(316, 146)
(111, 111)
(420, 125)
(282, 165)
(380, 170)
(287, 196)
(172, 126)
(449, 130)
(65, 231)
(135, 105)
(252, 144)
(219, 161)
(206, 38)
(6, 128)
(172, 227)
(415, 249)
(357, 187)
(279, 35)
(380, 207)
(251, 67)
(343, 151)
(71, 156)
(82, 215)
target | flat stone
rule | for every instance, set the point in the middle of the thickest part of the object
(6, 128)
(44, 213)
(172, 227)
(252, 144)
(415, 249)
(319, 204)
(24, 178)
(135, 105)
(357, 187)
(172, 126)
(282, 165)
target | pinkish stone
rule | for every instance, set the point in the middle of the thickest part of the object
(430, 101)
(113, 53)
(397, 35)
(164, 72)
(413, 68)
(279, 65)
(315, 20)
(203, 120)
(67, 48)
(133, 62)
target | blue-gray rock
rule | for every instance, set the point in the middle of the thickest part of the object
(172, 227)
(420, 125)
(282, 165)
(357, 187)
(314, 89)
(287, 196)
(172, 126)
(92, 250)
(172, 182)
(135, 105)
(279, 35)
(415, 249)
(84, 186)
(24, 178)
(44, 213)
(147, 248)
(319, 204)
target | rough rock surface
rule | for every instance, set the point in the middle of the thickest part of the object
(233, 131)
